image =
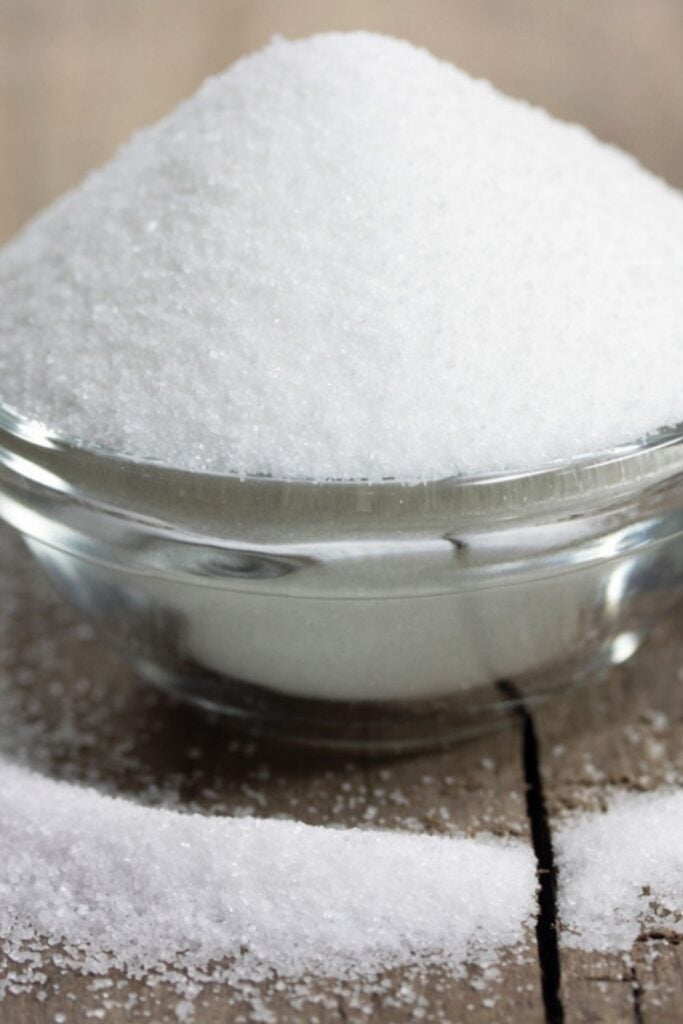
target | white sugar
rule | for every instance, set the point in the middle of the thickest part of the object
(137, 887)
(271, 909)
(621, 872)
(344, 258)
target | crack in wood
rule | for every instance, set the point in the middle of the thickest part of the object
(637, 991)
(547, 944)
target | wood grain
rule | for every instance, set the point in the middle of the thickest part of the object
(76, 77)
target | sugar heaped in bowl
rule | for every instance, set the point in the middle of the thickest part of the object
(348, 391)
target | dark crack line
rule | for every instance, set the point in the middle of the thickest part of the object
(547, 920)
(637, 990)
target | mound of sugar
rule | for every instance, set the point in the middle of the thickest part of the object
(622, 872)
(345, 258)
(135, 887)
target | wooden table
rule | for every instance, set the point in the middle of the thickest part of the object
(75, 79)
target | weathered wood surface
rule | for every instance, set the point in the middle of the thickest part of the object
(75, 78)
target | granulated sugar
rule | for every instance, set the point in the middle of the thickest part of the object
(89, 883)
(344, 258)
(136, 887)
(621, 872)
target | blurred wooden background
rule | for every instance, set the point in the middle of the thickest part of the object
(78, 76)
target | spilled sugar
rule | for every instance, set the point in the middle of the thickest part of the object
(621, 872)
(345, 258)
(93, 884)
(133, 887)
(114, 881)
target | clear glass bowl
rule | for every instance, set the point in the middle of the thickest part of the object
(354, 614)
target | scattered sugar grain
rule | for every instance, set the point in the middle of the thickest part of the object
(346, 258)
(621, 872)
(133, 887)
(79, 733)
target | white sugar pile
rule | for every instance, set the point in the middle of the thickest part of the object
(621, 873)
(133, 887)
(345, 258)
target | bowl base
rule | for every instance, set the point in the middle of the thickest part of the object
(377, 728)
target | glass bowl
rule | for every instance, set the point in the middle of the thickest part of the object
(350, 614)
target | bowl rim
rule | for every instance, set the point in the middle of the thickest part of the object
(85, 495)
(37, 434)
(41, 468)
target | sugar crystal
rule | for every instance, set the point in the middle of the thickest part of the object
(92, 883)
(135, 887)
(346, 258)
(621, 872)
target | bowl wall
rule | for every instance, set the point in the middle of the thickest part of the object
(350, 613)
